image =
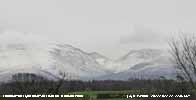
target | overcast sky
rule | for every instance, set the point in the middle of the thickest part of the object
(110, 27)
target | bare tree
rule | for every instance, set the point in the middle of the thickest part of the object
(183, 50)
(56, 88)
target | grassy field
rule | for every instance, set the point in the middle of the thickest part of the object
(88, 95)
(92, 95)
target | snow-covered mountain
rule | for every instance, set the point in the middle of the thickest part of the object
(135, 57)
(77, 62)
(28, 53)
(146, 64)
(58, 59)
(34, 54)
(102, 60)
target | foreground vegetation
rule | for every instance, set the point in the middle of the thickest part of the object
(96, 90)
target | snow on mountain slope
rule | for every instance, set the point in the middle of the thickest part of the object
(102, 60)
(20, 52)
(27, 52)
(76, 61)
(135, 57)
(144, 64)
(155, 72)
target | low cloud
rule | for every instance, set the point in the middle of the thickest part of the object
(142, 35)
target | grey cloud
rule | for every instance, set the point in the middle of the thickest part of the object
(141, 35)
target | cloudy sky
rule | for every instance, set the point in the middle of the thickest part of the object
(110, 27)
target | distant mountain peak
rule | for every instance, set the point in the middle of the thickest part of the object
(32, 54)
(142, 53)
(97, 55)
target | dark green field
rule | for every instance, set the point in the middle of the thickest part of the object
(98, 90)
(92, 95)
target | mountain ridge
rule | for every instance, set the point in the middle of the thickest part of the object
(55, 58)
